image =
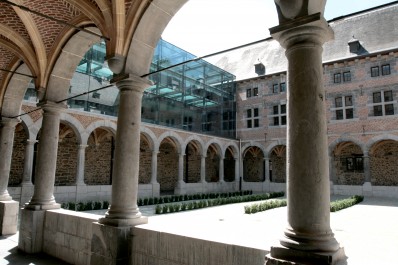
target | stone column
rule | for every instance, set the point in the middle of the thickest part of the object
(308, 238)
(367, 186)
(124, 210)
(266, 169)
(203, 169)
(81, 155)
(7, 143)
(28, 162)
(237, 168)
(221, 170)
(154, 167)
(43, 194)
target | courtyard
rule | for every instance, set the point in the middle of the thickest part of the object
(367, 231)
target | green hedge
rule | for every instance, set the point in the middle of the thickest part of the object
(186, 206)
(85, 206)
(263, 206)
(345, 203)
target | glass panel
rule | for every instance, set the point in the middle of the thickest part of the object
(283, 120)
(378, 111)
(337, 78)
(276, 109)
(255, 112)
(248, 93)
(283, 87)
(275, 88)
(276, 120)
(377, 97)
(347, 76)
(348, 101)
(339, 114)
(374, 71)
(388, 95)
(249, 123)
(283, 109)
(349, 113)
(249, 113)
(389, 108)
(255, 92)
(385, 69)
(339, 102)
(256, 123)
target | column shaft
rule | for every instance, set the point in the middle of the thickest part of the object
(43, 195)
(154, 167)
(180, 168)
(28, 162)
(266, 169)
(124, 210)
(366, 167)
(7, 143)
(203, 169)
(236, 169)
(81, 157)
(221, 170)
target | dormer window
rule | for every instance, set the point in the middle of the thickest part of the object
(259, 68)
(354, 45)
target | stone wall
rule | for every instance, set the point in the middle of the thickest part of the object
(212, 166)
(253, 168)
(66, 161)
(167, 167)
(384, 164)
(343, 176)
(145, 163)
(98, 158)
(18, 156)
(278, 168)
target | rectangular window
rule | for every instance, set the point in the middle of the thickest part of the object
(374, 71)
(283, 120)
(377, 97)
(339, 114)
(283, 109)
(249, 123)
(248, 93)
(256, 123)
(282, 87)
(347, 76)
(348, 101)
(255, 92)
(275, 88)
(354, 163)
(385, 69)
(337, 78)
(377, 110)
(339, 102)
(388, 96)
(255, 112)
(249, 113)
(276, 109)
(276, 121)
(349, 113)
(389, 109)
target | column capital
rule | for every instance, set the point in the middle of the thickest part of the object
(82, 146)
(313, 28)
(31, 141)
(9, 122)
(51, 106)
(131, 82)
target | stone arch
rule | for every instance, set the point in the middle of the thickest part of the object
(379, 138)
(383, 157)
(75, 125)
(192, 160)
(31, 127)
(151, 138)
(253, 164)
(198, 140)
(277, 164)
(348, 163)
(213, 156)
(334, 144)
(109, 125)
(168, 162)
(176, 138)
(99, 154)
(230, 158)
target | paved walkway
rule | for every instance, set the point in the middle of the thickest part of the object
(367, 231)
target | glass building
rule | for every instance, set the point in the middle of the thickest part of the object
(195, 96)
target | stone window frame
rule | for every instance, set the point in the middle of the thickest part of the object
(337, 78)
(347, 76)
(383, 103)
(344, 107)
(252, 92)
(374, 71)
(253, 118)
(279, 115)
(248, 93)
(282, 87)
(385, 69)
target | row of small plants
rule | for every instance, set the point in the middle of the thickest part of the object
(85, 206)
(271, 204)
(190, 197)
(345, 203)
(203, 203)
(98, 205)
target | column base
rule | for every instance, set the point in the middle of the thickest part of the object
(116, 222)
(111, 245)
(8, 217)
(284, 256)
(155, 189)
(38, 207)
(180, 188)
(31, 231)
(367, 189)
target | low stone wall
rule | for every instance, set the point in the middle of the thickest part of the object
(365, 190)
(68, 234)
(262, 187)
(158, 248)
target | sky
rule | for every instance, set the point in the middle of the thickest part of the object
(203, 27)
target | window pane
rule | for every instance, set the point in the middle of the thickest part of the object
(349, 113)
(256, 123)
(377, 97)
(275, 88)
(283, 87)
(276, 120)
(350, 163)
(378, 110)
(255, 112)
(283, 120)
(255, 92)
(374, 71)
(339, 102)
(283, 109)
(347, 76)
(348, 101)
(249, 113)
(276, 109)
(385, 69)
(337, 78)
(359, 163)
(249, 123)
(248, 93)
(339, 114)
(389, 108)
(388, 95)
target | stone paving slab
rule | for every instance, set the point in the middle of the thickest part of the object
(367, 231)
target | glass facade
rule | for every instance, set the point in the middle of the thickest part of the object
(195, 96)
